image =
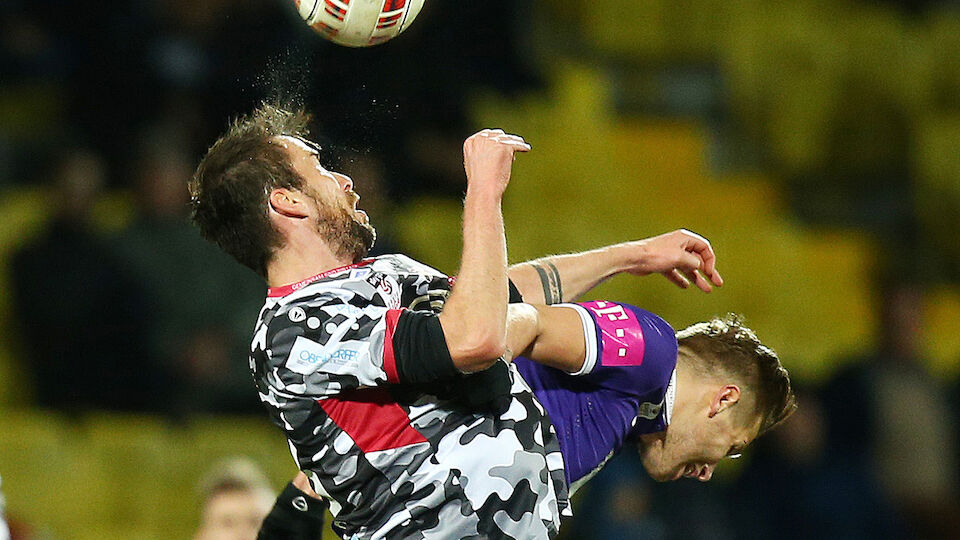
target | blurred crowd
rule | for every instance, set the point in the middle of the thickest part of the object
(146, 316)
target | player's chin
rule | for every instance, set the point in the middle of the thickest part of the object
(664, 474)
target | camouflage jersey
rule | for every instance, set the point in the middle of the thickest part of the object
(395, 463)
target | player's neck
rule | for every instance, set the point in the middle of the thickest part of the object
(297, 261)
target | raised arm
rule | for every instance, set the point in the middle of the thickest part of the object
(474, 317)
(681, 256)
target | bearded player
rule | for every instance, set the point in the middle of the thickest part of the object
(390, 384)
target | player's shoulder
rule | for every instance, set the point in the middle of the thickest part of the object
(659, 338)
(633, 336)
(312, 305)
(400, 264)
(314, 295)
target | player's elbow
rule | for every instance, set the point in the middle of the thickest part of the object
(474, 344)
(478, 351)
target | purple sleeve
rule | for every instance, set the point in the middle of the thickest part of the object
(634, 353)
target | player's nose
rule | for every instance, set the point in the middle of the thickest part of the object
(346, 183)
(705, 473)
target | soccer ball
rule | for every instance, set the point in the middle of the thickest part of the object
(359, 23)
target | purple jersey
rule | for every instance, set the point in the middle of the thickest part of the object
(625, 388)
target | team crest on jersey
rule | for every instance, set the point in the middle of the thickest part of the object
(389, 289)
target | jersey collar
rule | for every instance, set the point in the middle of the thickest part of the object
(283, 290)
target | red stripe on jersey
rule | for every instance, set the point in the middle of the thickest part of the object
(389, 360)
(391, 5)
(372, 419)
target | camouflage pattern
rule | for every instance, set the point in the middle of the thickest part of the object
(396, 461)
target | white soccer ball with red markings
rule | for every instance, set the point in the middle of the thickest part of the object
(359, 23)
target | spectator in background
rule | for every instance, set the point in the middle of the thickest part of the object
(617, 504)
(235, 497)
(622, 502)
(889, 410)
(81, 319)
(801, 484)
(197, 341)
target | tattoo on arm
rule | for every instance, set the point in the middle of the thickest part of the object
(550, 279)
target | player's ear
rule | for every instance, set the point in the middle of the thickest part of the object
(288, 202)
(725, 397)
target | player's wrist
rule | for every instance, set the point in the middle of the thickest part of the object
(624, 257)
(483, 195)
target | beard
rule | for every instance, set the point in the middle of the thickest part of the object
(348, 237)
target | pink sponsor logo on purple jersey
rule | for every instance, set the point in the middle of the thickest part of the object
(621, 337)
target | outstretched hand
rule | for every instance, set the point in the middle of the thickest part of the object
(682, 256)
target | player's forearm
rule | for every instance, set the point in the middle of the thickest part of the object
(564, 278)
(474, 317)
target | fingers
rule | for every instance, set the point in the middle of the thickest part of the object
(691, 267)
(516, 142)
(697, 278)
(708, 259)
(488, 159)
(677, 278)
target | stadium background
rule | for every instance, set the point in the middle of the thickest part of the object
(814, 142)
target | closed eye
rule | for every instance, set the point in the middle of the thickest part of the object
(735, 451)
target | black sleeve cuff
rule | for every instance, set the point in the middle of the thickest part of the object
(295, 516)
(515, 296)
(420, 349)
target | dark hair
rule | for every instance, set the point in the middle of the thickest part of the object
(728, 346)
(230, 188)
